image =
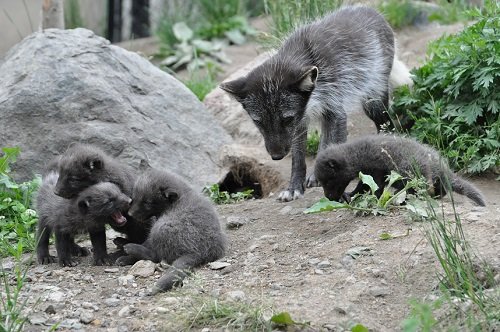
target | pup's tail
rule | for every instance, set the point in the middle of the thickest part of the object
(176, 273)
(400, 75)
(466, 188)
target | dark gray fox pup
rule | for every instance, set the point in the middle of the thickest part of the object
(94, 207)
(324, 69)
(378, 155)
(186, 232)
(84, 165)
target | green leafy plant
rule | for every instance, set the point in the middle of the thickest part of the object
(421, 316)
(191, 52)
(453, 104)
(284, 320)
(223, 197)
(399, 13)
(312, 143)
(17, 220)
(369, 203)
(72, 15)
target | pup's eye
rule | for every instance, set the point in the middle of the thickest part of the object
(288, 119)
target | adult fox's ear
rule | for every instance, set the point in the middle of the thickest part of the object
(307, 80)
(84, 204)
(93, 163)
(237, 88)
(171, 196)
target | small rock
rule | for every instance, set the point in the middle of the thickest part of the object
(86, 317)
(171, 301)
(340, 310)
(88, 305)
(380, 291)
(142, 269)
(126, 280)
(357, 252)
(112, 302)
(233, 222)
(206, 329)
(37, 319)
(318, 271)
(218, 265)
(112, 270)
(125, 311)
(50, 309)
(314, 261)
(56, 296)
(324, 264)
(8, 265)
(236, 295)
(286, 210)
(161, 310)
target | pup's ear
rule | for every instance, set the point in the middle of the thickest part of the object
(171, 196)
(93, 164)
(83, 205)
(333, 164)
(236, 88)
(307, 80)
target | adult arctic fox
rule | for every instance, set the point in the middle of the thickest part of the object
(186, 232)
(378, 155)
(90, 211)
(326, 68)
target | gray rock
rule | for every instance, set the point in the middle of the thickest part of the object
(161, 310)
(236, 295)
(380, 291)
(142, 269)
(124, 312)
(218, 265)
(8, 265)
(37, 319)
(86, 317)
(78, 87)
(235, 222)
(314, 261)
(286, 210)
(112, 302)
(324, 264)
(56, 296)
(126, 280)
(112, 270)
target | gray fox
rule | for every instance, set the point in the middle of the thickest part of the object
(324, 69)
(377, 155)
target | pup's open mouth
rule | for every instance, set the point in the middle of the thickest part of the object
(119, 219)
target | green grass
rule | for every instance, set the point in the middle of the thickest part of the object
(288, 15)
(17, 220)
(312, 143)
(202, 82)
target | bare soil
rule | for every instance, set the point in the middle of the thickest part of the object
(328, 269)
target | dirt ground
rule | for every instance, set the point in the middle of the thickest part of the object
(328, 269)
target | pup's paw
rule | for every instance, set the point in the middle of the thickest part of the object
(311, 181)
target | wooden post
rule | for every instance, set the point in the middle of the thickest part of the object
(53, 14)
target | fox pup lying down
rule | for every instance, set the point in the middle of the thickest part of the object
(378, 155)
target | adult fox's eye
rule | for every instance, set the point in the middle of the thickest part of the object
(288, 119)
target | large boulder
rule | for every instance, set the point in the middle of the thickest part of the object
(63, 86)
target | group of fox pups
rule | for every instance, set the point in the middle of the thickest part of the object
(324, 69)
(162, 217)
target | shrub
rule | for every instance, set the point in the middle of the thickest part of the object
(17, 220)
(454, 104)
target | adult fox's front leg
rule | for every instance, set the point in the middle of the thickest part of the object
(298, 174)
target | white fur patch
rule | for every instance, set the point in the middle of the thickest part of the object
(400, 75)
(287, 195)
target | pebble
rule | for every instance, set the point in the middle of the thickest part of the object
(56, 296)
(380, 291)
(285, 210)
(218, 265)
(314, 261)
(161, 310)
(112, 302)
(112, 270)
(8, 265)
(234, 222)
(324, 264)
(125, 311)
(37, 319)
(86, 317)
(357, 252)
(171, 301)
(318, 271)
(126, 280)
(142, 269)
(236, 295)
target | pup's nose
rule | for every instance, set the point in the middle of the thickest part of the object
(277, 156)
